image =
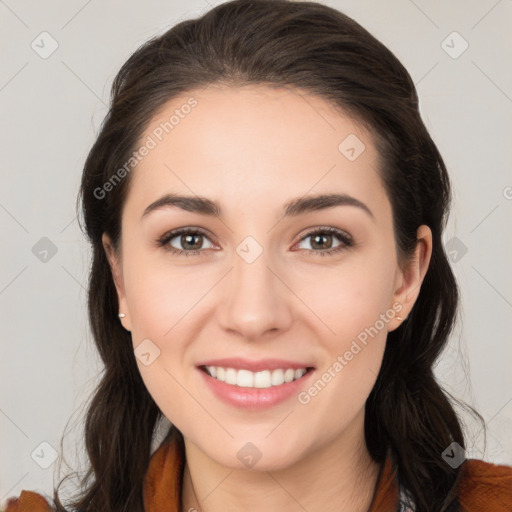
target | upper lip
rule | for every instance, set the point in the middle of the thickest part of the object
(239, 363)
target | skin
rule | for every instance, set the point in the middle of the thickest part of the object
(252, 149)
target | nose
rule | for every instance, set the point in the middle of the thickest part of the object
(257, 302)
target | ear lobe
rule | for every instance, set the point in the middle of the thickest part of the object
(412, 277)
(117, 275)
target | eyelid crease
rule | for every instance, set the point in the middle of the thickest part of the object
(345, 238)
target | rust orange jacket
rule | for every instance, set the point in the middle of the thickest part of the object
(484, 487)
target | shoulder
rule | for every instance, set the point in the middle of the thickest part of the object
(28, 501)
(485, 486)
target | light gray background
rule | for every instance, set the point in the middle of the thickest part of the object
(51, 111)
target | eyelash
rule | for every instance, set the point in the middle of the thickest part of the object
(346, 241)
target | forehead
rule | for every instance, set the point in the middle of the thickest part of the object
(244, 145)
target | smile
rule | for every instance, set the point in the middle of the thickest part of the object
(248, 379)
(255, 385)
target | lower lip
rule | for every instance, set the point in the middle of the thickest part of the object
(254, 398)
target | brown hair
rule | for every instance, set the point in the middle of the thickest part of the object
(318, 50)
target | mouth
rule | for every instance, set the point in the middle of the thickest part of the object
(255, 385)
(263, 379)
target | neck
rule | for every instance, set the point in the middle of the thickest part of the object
(340, 476)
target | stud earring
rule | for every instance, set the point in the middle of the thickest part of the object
(121, 315)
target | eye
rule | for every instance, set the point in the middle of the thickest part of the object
(322, 238)
(190, 239)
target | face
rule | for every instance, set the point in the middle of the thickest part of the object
(260, 292)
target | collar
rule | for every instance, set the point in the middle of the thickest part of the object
(162, 484)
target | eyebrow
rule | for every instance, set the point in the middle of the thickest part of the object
(295, 207)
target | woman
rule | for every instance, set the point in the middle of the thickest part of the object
(266, 209)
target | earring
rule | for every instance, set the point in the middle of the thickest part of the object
(399, 318)
(121, 315)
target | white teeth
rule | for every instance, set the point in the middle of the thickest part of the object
(299, 373)
(289, 375)
(231, 376)
(245, 379)
(263, 379)
(248, 379)
(277, 377)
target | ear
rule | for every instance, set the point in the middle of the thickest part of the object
(117, 275)
(409, 280)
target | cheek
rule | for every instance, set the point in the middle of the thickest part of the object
(353, 302)
(351, 362)
(161, 301)
(160, 294)
(348, 296)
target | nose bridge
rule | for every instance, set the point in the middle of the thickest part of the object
(255, 301)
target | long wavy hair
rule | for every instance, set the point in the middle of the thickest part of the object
(318, 50)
